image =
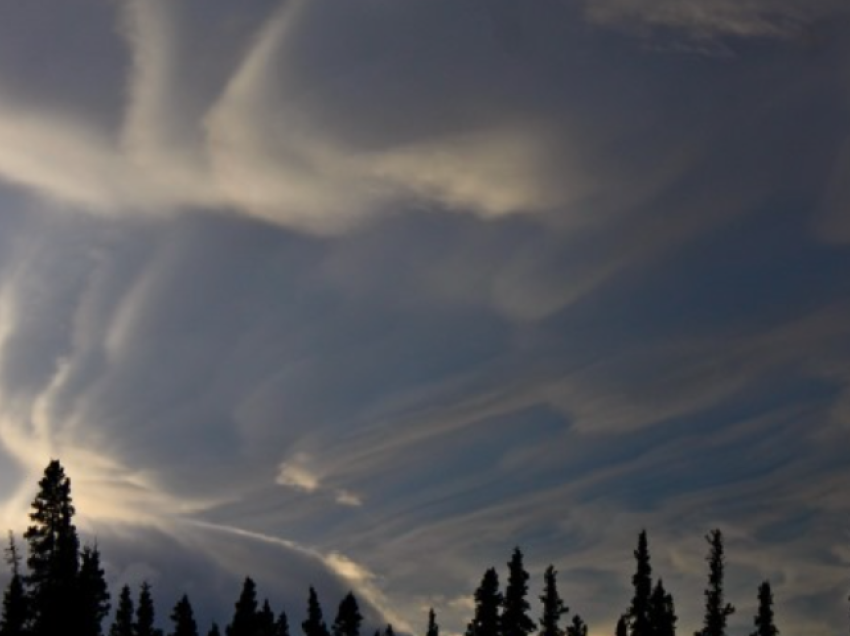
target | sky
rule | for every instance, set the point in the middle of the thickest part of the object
(362, 294)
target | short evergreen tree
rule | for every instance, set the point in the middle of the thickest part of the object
(123, 623)
(183, 618)
(145, 615)
(214, 630)
(314, 624)
(245, 613)
(265, 623)
(281, 627)
(488, 601)
(53, 560)
(92, 593)
(639, 620)
(389, 631)
(515, 620)
(577, 627)
(622, 628)
(553, 605)
(764, 621)
(662, 612)
(433, 628)
(348, 617)
(15, 604)
(717, 611)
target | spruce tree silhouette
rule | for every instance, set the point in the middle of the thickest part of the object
(183, 618)
(245, 611)
(433, 629)
(553, 605)
(214, 630)
(662, 612)
(488, 601)
(123, 623)
(764, 620)
(639, 620)
(717, 611)
(622, 628)
(282, 625)
(15, 603)
(348, 617)
(265, 620)
(389, 630)
(577, 627)
(53, 560)
(515, 620)
(314, 624)
(145, 614)
(92, 593)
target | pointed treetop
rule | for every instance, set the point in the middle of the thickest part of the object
(553, 605)
(515, 620)
(433, 627)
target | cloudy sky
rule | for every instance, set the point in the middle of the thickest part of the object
(364, 293)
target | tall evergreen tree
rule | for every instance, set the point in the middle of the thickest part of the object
(348, 617)
(488, 601)
(244, 620)
(92, 593)
(639, 620)
(15, 604)
(764, 621)
(515, 620)
(433, 629)
(662, 612)
(281, 627)
(577, 627)
(622, 628)
(717, 611)
(553, 605)
(183, 618)
(214, 630)
(265, 623)
(123, 623)
(389, 631)
(53, 560)
(314, 625)
(145, 614)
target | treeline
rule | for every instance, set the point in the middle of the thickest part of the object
(64, 592)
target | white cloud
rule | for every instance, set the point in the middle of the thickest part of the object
(296, 474)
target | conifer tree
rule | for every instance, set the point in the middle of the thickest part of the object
(123, 623)
(348, 617)
(764, 622)
(265, 621)
(53, 560)
(639, 620)
(245, 614)
(389, 630)
(553, 605)
(183, 618)
(92, 593)
(433, 628)
(314, 625)
(662, 612)
(622, 626)
(488, 600)
(282, 625)
(15, 605)
(145, 615)
(515, 620)
(214, 630)
(717, 611)
(578, 627)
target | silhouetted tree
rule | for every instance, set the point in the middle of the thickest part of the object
(662, 612)
(764, 623)
(389, 630)
(281, 627)
(183, 618)
(433, 628)
(244, 620)
(577, 627)
(553, 605)
(53, 560)
(348, 617)
(717, 611)
(15, 604)
(123, 623)
(214, 630)
(92, 593)
(314, 625)
(488, 601)
(265, 624)
(639, 620)
(515, 620)
(622, 628)
(145, 614)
